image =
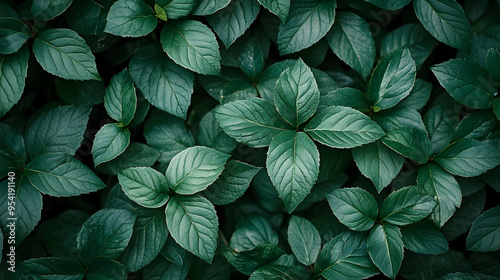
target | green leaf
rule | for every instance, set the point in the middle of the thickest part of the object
(446, 21)
(211, 135)
(200, 51)
(296, 94)
(12, 150)
(110, 141)
(267, 80)
(273, 271)
(173, 252)
(104, 268)
(47, 10)
(378, 163)
(57, 174)
(62, 52)
(410, 143)
(252, 56)
(28, 207)
(248, 261)
(385, 247)
(232, 21)
(485, 264)
(476, 125)
(442, 186)
(304, 240)
(345, 257)
(253, 122)
(392, 5)
(194, 169)
(342, 127)
(424, 238)
(193, 223)
(400, 117)
(88, 17)
(293, 166)
(130, 18)
(149, 235)
(232, 183)
(468, 158)
(136, 154)
(57, 130)
(13, 71)
(177, 8)
(208, 7)
(496, 107)
(120, 99)
(251, 232)
(13, 33)
(168, 134)
(459, 275)
(145, 186)
(419, 95)
(347, 97)
(280, 8)
(492, 62)
(80, 93)
(54, 268)
(440, 121)
(412, 36)
(351, 40)
(307, 22)
(418, 266)
(354, 207)
(392, 80)
(406, 206)
(165, 85)
(484, 235)
(466, 81)
(106, 234)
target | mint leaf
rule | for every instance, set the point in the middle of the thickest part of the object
(280, 8)
(145, 186)
(406, 206)
(130, 18)
(120, 99)
(208, 7)
(410, 143)
(424, 238)
(354, 207)
(252, 232)
(304, 240)
(440, 121)
(385, 247)
(110, 141)
(484, 235)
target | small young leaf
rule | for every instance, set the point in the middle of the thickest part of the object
(293, 166)
(193, 169)
(385, 247)
(406, 206)
(253, 122)
(410, 143)
(378, 163)
(442, 186)
(232, 21)
(54, 267)
(13, 71)
(110, 141)
(58, 174)
(105, 234)
(342, 127)
(468, 158)
(392, 80)
(345, 257)
(280, 8)
(145, 186)
(304, 240)
(351, 40)
(354, 207)
(64, 53)
(466, 81)
(193, 223)
(446, 21)
(424, 238)
(165, 84)
(47, 10)
(484, 235)
(130, 18)
(120, 99)
(200, 51)
(307, 22)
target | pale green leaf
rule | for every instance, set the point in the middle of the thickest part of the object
(120, 99)
(110, 141)
(406, 206)
(354, 207)
(177, 8)
(130, 18)
(385, 247)
(145, 186)
(13, 33)
(208, 7)
(304, 240)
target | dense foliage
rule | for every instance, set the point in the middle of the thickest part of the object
(270, 139)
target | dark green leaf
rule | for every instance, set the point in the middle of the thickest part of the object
(57, 174)
(278, 272)
(110, 141)
(390, 4)
(385, 247)
(304, 240)
(347, 97)
(104, 268)
(12, 150)
(248, 261)
(13, 33)
(88, 17)
(211, 135)
(400, 117)
(64, 53)
(293, 166)
(13, 71)
(419, 95)
(476, 125)
(446, 21)
(106, 234)
(406, 206)
(342, 127)
(354, 207)
(442, 186)
(253, 122)
(424, 238)
(193, 223)
(177, 8)
(459, 275)
(54, 268)
(492, 62)
(423, 267)
(194, 169)
(200, 49)
(486, 264)
(135, 155)
(440, 121)
(145, 186)
(378, 163)
(280, 8)
(484, 234)
(307, 22)
(252, 56)
(466, 81)
(392, 80)
(47, 10)
(80, 93)
(269, 77)
(120, 99)
(162, 269)
(173, 252)
(251, 232)
(130, 18)
(472, 206)
(351, 40)
(208, 7)
(410, 143)
(165, 84)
